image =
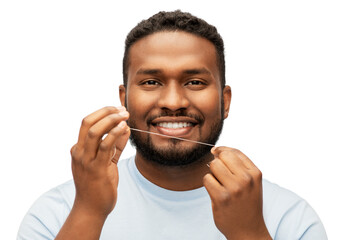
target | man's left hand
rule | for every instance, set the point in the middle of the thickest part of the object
(235, 188)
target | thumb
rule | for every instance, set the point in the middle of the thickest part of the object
(217, 150)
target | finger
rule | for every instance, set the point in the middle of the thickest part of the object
(233, 162)
(120, 142)
(97, 132)
(75, 154)
(221, 172)
(93, 118)
(217, 151)
(241, 166)
(213, 187)
(108, 147)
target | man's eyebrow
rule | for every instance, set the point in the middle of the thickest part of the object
(148, 71)
(197, 71)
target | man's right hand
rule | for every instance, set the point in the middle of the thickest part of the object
(95, 172)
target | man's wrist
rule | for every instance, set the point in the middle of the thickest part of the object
(88, 214)
(261, 235)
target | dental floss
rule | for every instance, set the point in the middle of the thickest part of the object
(163, 135)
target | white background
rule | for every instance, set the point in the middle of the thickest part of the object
(294, 69)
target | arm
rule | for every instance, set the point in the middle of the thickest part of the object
(235, 189)
(94, 167)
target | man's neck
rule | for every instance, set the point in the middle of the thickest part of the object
(176, 178)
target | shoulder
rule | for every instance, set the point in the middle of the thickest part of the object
(287, 215)
(61, 195)
(274, 194)
(46, 216)
(49, 212)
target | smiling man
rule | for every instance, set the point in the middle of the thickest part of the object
(174, 85)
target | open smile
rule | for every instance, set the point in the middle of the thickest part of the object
(174, 126)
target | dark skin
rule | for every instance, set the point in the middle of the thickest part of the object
(172, 71)
(163, 77)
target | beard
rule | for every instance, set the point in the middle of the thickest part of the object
(175, 154)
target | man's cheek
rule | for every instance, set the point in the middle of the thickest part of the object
(139, 103)
(208, 102)
(211, 110)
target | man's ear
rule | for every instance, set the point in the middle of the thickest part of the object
(227, 100)
(122, 94)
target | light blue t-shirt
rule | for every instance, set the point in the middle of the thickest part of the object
(146, 211)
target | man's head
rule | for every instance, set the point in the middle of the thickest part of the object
(175, 21)
(174, 85)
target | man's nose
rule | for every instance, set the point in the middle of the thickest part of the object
(173, 97)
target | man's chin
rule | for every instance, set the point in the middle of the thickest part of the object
(173, 153)
(177, 158)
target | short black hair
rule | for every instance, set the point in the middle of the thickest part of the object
(174, 21)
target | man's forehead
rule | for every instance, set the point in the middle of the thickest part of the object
(192, 71)
(175, 42)
(167, 49)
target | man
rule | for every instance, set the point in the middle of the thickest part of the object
(174, 85)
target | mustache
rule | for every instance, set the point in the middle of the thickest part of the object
(181, 113)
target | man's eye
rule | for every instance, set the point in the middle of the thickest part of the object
(150, 82)
(195, 82)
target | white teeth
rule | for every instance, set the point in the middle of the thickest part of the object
(174, 124)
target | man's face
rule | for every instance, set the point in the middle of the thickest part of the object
(174, 89)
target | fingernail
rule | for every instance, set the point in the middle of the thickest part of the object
(213, 150)
(122, 124)
(121, 108)
(124, 113)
